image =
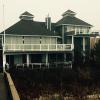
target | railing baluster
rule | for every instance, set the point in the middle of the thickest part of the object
(56, 47)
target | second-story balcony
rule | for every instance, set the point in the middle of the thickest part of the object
(37, 47)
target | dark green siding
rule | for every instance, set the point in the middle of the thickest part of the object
(78, 43)
(87, 43)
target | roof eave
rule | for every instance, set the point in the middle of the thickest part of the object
(32, 35)
(74, 25)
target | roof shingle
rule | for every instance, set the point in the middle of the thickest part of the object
(72, 21)
(29, 27)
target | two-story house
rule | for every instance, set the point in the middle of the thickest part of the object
(30, 43)
(34, 44)
(75, 31)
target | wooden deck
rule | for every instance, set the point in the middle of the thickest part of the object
(3, 89)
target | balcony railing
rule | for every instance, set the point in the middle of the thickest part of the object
(67, 64)
(38, 47)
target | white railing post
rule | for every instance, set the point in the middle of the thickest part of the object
(63, 47)
(14, 47)
(56, 47)
(23, 47)
(40, 47)
(27, 60)
(48, 47)
(4, 61)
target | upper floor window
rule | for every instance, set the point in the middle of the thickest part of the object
(69, 39)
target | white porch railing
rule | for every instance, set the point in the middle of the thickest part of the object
(38, 47)
(67, 64)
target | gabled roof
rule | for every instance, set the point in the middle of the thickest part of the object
(29, 27)
(72, 21)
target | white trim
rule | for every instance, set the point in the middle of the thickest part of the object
(4, 61)
(46, 58)
(27, 15)
(63, 34)
(27, 59)
(83, 43)
(32, 35)
(74, 25)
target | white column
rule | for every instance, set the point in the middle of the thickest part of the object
(4, 61)
(73, 56)
(79, 30)
(64, 57)
(75, 30)
(62, 34)
(72, 41)
(84, 31)
(27, 59)
(83, 43)
(46, 58)
(83, 49)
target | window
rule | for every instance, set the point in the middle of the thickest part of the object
(69, 40)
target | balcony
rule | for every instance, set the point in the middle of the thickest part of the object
(37, 47)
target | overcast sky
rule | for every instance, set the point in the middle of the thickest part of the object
(87, 10)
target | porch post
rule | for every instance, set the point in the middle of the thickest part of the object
(4, 61)
(72, 42)
(46, 58)
(83, 43)
(64, 57)
(27, 59)
(83, 49)
(73, 56)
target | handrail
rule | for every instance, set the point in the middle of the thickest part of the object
(14, 93)
(67, 63)
(38, 47)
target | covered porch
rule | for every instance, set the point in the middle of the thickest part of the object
(39, 60)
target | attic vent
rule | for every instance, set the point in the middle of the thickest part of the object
(26, 16)
(69, 13)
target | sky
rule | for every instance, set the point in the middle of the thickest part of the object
(87, 10)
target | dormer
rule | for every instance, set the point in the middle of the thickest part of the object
(26, 16)
(69, 13)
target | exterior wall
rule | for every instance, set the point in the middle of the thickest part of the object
(93, 41)
(68, 39)
(18, 59)
(30, 40)
(82, 43)
(87, 43)
(78, 41)
(77, 29)
(13, 40)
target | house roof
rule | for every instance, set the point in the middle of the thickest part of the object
(68, 12)
(29, 27)
(27, 13)
(73, 21)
